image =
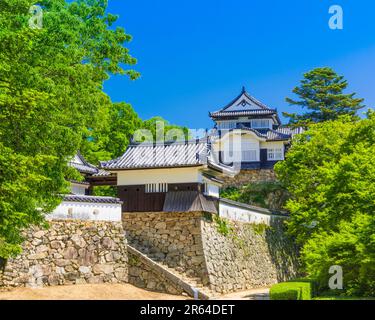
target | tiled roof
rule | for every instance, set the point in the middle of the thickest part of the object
(243, 113)
(84, 183)
(142, 156)
(245, 105)
(80, 163)
(101, 173)
(188, 201)
(280, 134)
(91, 199)
(83, 168)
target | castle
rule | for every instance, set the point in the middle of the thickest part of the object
(188, 175)
(169, 230)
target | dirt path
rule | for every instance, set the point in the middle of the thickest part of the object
(87, 292)
(255, 294)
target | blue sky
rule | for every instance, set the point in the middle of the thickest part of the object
(194, 56)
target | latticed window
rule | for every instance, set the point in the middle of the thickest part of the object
(156, 188)
(275, 154)
(260, 123)
(227, 125)
(249, 155)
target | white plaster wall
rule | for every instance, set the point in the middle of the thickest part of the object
(78, 189)
(237, 142)
(272, 144)
(167, 175)
(87, 211)
(213, 190)
(232, 212)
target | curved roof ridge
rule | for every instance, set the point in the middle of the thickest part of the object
(248, 96)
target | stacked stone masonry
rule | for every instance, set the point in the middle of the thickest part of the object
(173, 238)
(69, 252)
(250, 256)
(250, 176)
(192, 244)
(144, 275)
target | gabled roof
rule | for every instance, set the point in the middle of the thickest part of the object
(80, 163)
(84, 167)
(167, 155)
(102, 173)
(244, 105)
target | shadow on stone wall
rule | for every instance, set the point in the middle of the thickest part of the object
(2, 264)
(247, 256)
(283, 250)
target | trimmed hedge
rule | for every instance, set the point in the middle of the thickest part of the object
(344, 298)
(301, 289)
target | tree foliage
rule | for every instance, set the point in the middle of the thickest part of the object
(162, 130)
(117, 125)
(322, 93)
(110, 133)
(330, 174)
(51, 83)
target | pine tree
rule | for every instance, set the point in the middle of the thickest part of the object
(322, 92)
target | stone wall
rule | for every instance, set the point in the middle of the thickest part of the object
(249, 176)
(144, 274)
(249, 256)
(192, 244)
(174, 238)
(69, 252)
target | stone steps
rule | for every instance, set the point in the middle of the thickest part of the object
(192, 283)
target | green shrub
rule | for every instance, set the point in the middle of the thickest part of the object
(271, 195)
(330, 173)
(222, 226)
(343, 298)
(301, 289)
(352, 248)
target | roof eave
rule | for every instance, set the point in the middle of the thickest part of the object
(114, 170)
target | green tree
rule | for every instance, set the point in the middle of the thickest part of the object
(161, 129)
(110, 134)
(352, 248)
(51, 82)
(114, 127)
(322, 93)
(330, 174)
